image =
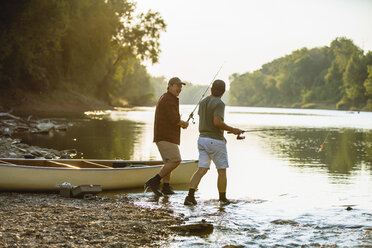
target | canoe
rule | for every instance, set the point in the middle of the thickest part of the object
(44, 175)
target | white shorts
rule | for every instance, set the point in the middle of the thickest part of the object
(212, 150)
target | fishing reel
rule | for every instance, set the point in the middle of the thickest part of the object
(240, 137)
(191, 117)
(193, 120)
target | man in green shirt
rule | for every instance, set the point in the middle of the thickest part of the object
(211, 142)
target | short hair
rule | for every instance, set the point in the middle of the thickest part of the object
(218, 88)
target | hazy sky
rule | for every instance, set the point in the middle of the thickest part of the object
(245, 34)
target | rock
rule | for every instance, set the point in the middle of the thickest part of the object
(61, 127)
(44, 127)
(29, 156)
(7, 131)
(82, 190)
(201, 228)
(65, 192)
(11, 147)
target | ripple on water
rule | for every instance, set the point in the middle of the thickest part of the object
(250, 223)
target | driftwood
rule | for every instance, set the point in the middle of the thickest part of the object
(44, 127)
(10, 116)
(10, 147)
(15, 123)
(200, 228)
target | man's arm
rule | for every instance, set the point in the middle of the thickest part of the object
(218, 122)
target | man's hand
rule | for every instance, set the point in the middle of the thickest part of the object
(184, 124)
(237, 131)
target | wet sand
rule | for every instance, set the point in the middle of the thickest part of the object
(49, 220)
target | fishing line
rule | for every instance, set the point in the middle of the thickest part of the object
(322, 145)
(240, 137)
(191, 116)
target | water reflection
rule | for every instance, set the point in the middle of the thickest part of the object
(344, 151)
(284, 193)
(94, 138)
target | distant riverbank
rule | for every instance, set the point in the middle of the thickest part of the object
(69, 101)
(63, 101)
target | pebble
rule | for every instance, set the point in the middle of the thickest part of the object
(48, 220)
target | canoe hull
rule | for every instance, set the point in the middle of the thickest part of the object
(34, 178)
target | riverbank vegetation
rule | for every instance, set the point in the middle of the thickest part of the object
(338, 76)
(89, 54)
(91, 47)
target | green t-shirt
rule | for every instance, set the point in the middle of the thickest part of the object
(209, 107)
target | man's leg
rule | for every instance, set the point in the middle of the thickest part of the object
(195, 180)
(166, 179)
(171, 153)
(222, 180)
(167, 169)
(167, 189)
(222, 184)
(154, 182)
(204, 163)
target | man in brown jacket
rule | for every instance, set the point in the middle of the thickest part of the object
(167, 131)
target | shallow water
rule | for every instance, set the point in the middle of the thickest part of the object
(284, 192)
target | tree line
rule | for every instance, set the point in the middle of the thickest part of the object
(191, 93)
(91, 46)
(336, 76)
(97, 47)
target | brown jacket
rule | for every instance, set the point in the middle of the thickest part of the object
(167, 118)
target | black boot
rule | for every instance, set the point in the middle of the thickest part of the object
(167, 189)
(223, 198)
(190, 199)
(153, 184)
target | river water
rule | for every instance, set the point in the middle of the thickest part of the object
(284, 192)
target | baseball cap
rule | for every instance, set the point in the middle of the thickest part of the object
(175, 80)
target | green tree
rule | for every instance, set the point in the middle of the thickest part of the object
(86, 46)
(327, 75)
(53, 44)
(353, 78)
(159, 85)
(334, 83)
(368, 87)
(136, 37)
(132, 85)
(29, 41)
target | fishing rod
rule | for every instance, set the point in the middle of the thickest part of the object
(191, 116)
(240, 137)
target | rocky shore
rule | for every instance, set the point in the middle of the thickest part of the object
(49, 220)
(11, 147)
